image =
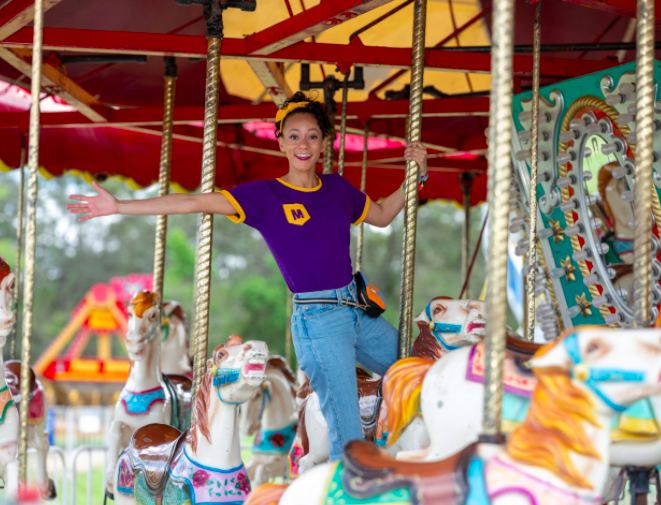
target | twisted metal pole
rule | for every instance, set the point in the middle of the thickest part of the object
(466, 182)
(164, 172)
(363, 187)
(288, 336)
(205, 230)
(498, 200)
(328, 151)
(642, 264)
(30, 238)
(412, 173)
(343, 126)
(532, 201)
(19, 246)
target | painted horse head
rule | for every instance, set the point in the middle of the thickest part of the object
(454, 323)
(234, 372)
(7, 317)
(144, 323)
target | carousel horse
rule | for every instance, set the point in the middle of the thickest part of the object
(203, 464)
(10, 383)
(271, 415)
(175, 358)
(148, 396)
(446, 324)
(559, 454)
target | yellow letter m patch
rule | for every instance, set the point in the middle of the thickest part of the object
(296, 213)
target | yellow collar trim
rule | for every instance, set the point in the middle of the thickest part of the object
(307, 190)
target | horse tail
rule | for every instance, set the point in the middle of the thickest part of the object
(266, 494)
(402, 386)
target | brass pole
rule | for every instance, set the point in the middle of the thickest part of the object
(290, 311)
(30, 237)
(19, 245)
(164, 172)
(205, 231)
(466, 182)
(412, 173)
(499, 176)
(343, 126)
(328, 151)
(363, 187)
(642, 263)
(532, 201)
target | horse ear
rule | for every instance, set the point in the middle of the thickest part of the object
(422, 317)
(553, 355)
(209, 363)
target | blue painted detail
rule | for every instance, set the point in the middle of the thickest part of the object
(226, 376)
(275, 441)
(438, 328)
(477, 494)
(140, 403)
(596, 375)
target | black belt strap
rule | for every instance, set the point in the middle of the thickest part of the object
(333, 301)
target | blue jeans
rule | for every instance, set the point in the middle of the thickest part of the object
(329, 340)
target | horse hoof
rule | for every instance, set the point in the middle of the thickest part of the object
(50, 493)
(110, 495)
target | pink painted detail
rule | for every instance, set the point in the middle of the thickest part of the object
(353, 143)
(125, 475)
(514, 381)
(503, 478)
(461, 156)
(37, 404)
(295, 455)
(253, 368)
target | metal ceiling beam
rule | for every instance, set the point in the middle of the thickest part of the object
(16, 14)
(153, 116)
(325, 15)
(57, 83)
(63, 39)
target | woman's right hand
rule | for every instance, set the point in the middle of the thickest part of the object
(105, 204)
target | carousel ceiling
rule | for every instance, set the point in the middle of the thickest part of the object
(103, 82)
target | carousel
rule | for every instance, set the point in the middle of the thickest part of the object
(561, 146)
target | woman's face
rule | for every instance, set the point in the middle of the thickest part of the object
(302, 142)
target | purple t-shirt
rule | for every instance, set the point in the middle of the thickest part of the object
(307, 230)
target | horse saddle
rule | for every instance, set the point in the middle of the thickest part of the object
(13, 379)
(151, 451)
(180, 388)
(369, 471)
(369, 402)
(519, 348)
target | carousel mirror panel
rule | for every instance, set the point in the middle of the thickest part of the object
(586, 160)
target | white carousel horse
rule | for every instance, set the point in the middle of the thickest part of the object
(559, 454)
(203, 464)
(9, 415)
(148, 396)
(175, 358)
(446, 324)
(271, 415)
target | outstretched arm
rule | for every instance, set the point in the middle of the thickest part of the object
(381, 214)
(105, 204)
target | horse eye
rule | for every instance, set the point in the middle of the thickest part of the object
(592, 347)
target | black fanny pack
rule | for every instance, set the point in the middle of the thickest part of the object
(370, 298)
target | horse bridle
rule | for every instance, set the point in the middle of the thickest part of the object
(438, 328)
(222, 376)
(592, 377)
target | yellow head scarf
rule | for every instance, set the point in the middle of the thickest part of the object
(283, 113)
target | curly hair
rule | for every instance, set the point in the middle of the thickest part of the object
(314, 107)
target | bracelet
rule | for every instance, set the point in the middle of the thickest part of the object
(421, 183)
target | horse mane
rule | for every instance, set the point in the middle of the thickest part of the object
(426, 346)
(177, 311)
(142, 301)
(201, 403)
(402, 385)
(279, 363)
(558, 413)
(604, 177)
(5, 269)
(266, 494)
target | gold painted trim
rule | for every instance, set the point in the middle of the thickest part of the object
(237, 206)
(306, 190)
(365, 210)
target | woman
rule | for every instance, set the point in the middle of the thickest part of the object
(305, 219)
